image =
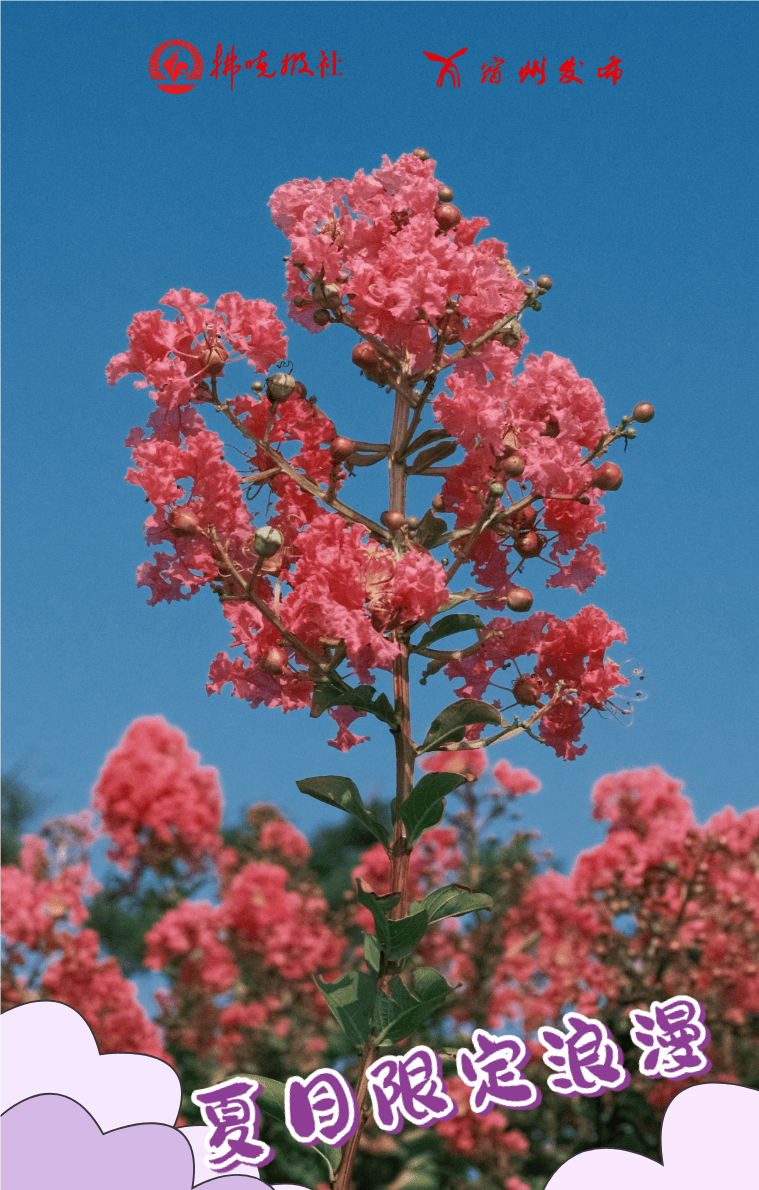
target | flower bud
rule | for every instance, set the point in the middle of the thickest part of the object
(445, 194)
(454, 327)
(630, 433)
(513, 467)
(527, 690)
(393, 521)
(412, 523)
(365, 355)
(544, 283)
(321, 317)
(643, 411)
(326, 295)
(267, 541)
(183, 522)
(529, 544)
(496, 489)
(438, 503)
(422, 154)
(279, 386)
(607, 477)
(274, 662)
(511, 335)
(257, 386)
(522, 520)
(519, 599)
(536, 304)
(447, 215)
(341, 448)
(213, 358)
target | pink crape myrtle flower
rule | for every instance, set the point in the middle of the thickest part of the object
(515, 781)
(156, 799)
(470, 762)
(434, 309)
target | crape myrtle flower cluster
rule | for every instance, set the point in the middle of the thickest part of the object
(238, 966)
(316, 592)
(320, 594)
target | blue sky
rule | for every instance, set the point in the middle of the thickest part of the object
(638, 199)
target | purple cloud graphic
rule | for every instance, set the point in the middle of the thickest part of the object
(49, 1049)
(50, 1142)
(76, 1119)
(709, 1139)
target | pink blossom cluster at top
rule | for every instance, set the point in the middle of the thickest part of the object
(388, 272)
(156, 801)
(423, 296)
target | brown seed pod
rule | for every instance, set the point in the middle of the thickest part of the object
(643, 411)
(267, 541)
(280, 386)
(321, 317)
(519, 599)
(393, 521)
(213, 358)
(513, 467)
(522, 520)
(607, 477)
(511, 335)
(341, 448)
(365, 355)
(527, 690)
(447, 215)
(529, 544)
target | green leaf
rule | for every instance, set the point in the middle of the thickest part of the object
(433, 454)
(272, 1098)
(450, 725)
(425, 805)
(449, 626)
(343, 793)
(431, 529)
(372, 952)
(451, 901)
(405, 935)
(395, 939)
(388, 1008)
(330, 693)
(379, 907)
(422, 1173)
(272, 1101)
(425, 438)
(350, 999)
(432, 991)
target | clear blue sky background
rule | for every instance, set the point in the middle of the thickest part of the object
(639, 199)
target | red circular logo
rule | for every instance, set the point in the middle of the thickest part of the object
(169, 68)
